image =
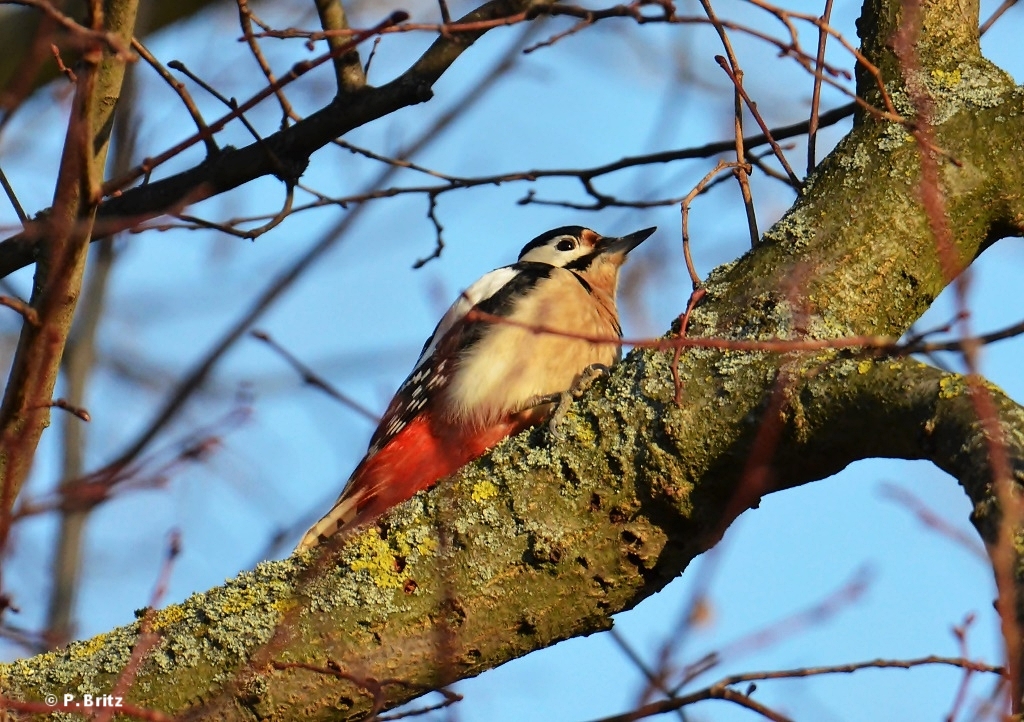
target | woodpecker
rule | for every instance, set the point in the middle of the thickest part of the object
(488, 371)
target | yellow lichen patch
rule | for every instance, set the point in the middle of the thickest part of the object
(864, 366)
(947, 78)
(585, 434)
(950, 387)
(167, 618)
(375, 557)
(239, 599)
(407, 543)
(285, 605)
(483, 491)
(89, 647)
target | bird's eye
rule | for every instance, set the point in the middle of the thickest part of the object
(567, 245)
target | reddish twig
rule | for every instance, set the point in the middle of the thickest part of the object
(64, 405)
(1002, 550)
(786, 16)
(245, 19)
(996, 14)
(44, 708)
(61, 67)
(249, 234)
(848, 594)
(960, 632)
(885, 345)
(147, 638)
(231, 103)
(699, 292)
(684, 208)
(16, 304)
(375, 687)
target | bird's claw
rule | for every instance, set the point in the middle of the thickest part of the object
(563, 401)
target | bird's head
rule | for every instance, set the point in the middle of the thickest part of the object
(580, 249)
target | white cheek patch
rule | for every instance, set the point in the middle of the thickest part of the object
(550, 254)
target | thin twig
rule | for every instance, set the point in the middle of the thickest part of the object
(375, 687)
(78, 411)
(61, 67)
(147, 638)
(722, 688)
(250, 234)
(9, 190)
(178, 87)
(297, 71)
(960, 632)
(685, 211)
(879, 345)
(752, 106)
(229, 102)
(104, 37)
(438, 230)
(1003, 549)
(313, 379)
(933, 521)
(1006, 5)
(655, 679)
(819, 62)
(30, 315)
(584, 175)
(740, 169)
(245, 17)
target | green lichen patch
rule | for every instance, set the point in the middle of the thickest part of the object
(215, 630)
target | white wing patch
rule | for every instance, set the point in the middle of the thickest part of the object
(484, 287)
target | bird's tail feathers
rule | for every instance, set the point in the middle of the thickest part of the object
(342, 515)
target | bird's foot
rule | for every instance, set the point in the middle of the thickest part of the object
(563, 401)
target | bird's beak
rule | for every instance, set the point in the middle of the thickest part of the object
(625, 244)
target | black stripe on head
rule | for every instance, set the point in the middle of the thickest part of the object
(544, 238)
